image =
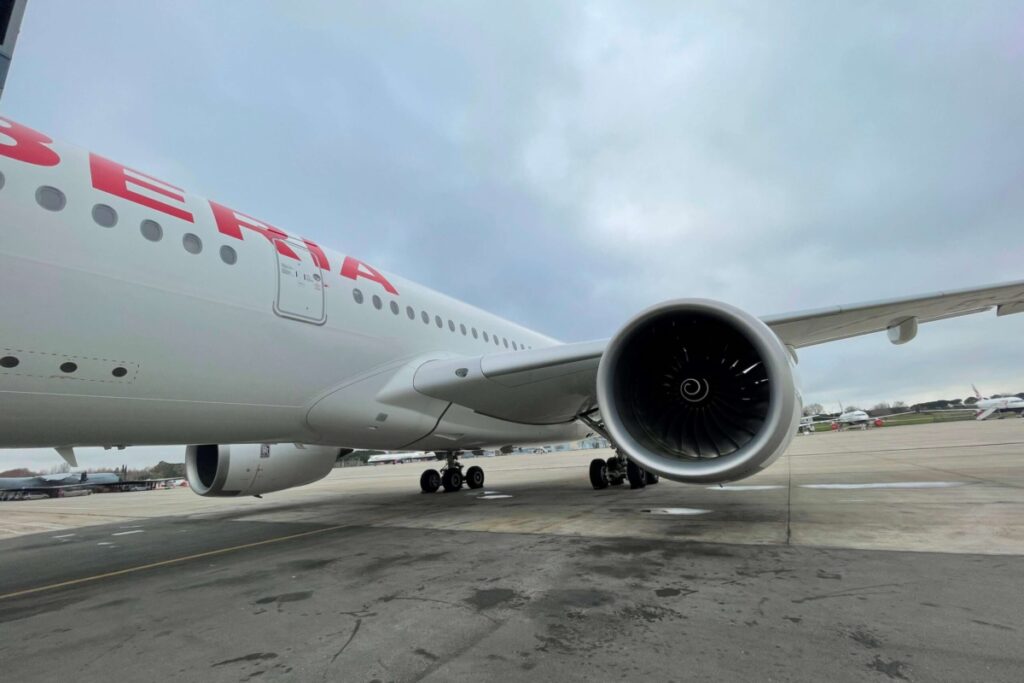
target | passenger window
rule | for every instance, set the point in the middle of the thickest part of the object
(504, 341)
(475, 336)
(228, 255)
(151, 230)
(438, 321)
(104, 215)
(377, 303)
(514, 347)
(192, 243)
(451, 324)
(410, 312)
(395, 308)
(357, 295)
(426, 317)
(496, 342)
(486, 338)
(50, 198)
(462, 328)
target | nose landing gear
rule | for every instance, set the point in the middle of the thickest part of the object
(451, 476)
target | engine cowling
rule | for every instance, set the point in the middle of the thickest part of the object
(254, 469)
(698, 391)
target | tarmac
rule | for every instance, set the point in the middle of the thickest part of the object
(889, 554)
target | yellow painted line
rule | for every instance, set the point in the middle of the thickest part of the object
(164, 563)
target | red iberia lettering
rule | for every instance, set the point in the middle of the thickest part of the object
(231, 222)
(354, 268)
(124, 182)
(29, 145)
(319, 257)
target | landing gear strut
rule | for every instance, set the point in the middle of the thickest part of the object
(451, 476)
(618, 468)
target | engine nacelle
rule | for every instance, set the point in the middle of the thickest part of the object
(698, 391)
(253, 469)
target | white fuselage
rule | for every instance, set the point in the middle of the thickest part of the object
(854, 417)
(188, 326)
(1003, 403)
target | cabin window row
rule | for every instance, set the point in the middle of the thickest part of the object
(438, 321)
(104, 215)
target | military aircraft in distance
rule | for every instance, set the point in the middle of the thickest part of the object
(54, 485)
(1001, 404)
(62, 483)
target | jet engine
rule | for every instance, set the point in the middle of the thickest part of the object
(698, 391)
(254, 469)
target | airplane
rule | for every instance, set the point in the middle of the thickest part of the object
(54, 485)
(857, 418)
(141, 314)
(396, 458)
(1004, 404)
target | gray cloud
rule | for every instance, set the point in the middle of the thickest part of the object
(566, 165)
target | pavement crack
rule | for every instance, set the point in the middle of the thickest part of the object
(848, 593)
(355, 630)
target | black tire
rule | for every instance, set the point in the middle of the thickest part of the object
(635, 474)
(430, 481)
(613, 466)
(651, 477)
(451, 480)
(598, 474)
(475, 477)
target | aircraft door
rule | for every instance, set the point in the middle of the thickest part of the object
(300, 286)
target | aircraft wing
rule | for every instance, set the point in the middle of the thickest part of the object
(556, 384)
(985, 413)
(841, 322)
(540, 386)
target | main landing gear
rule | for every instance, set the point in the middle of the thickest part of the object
(617, 469)
(451, 476)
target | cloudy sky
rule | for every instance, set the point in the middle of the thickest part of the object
(567, 164)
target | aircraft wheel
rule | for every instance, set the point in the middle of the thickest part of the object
(614, 478)
(451, 480)
(430, 481)
(635, 474)
(598, 474)
(475, 477)
(651, 477)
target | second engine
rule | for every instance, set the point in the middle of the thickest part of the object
(254, 469)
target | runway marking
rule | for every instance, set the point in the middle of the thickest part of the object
(125, 533)
(104, 543)
(889, 485)
(164, 563)
(751, 487)
(493, 496)
(64, 536)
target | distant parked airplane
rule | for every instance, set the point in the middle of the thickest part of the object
(1004, 404)
(396, 458)
(54, 485)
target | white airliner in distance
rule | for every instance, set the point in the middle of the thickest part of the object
(855, 418)
(847, 419)
(135, 312)
(1003, 404)
(397, 458)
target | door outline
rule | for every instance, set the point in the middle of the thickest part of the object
(305, 258)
